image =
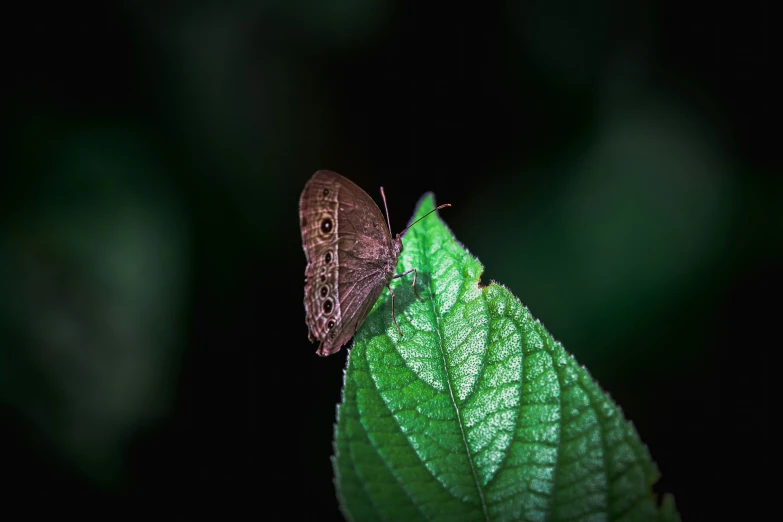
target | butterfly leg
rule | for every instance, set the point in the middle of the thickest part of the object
(394, 318)
(415, 272)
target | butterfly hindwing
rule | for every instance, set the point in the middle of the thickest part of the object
(350, 257)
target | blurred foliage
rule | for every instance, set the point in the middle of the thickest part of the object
(93, 267)
(639, 216)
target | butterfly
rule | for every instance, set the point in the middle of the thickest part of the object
(351, 257)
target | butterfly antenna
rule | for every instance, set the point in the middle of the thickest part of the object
(425, 215)
(383, 196)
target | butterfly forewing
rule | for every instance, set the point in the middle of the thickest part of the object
(350, 257)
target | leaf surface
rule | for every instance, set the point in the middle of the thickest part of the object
(476, 412)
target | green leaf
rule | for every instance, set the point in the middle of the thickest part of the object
(477, 413)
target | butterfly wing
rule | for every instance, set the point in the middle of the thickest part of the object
(350, 257)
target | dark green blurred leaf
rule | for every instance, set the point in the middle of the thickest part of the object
(93, 270)
(639, 219)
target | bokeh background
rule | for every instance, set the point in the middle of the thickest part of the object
(610, 163)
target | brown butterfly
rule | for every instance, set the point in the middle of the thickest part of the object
(351, 257)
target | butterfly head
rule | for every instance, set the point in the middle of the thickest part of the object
(397, 245)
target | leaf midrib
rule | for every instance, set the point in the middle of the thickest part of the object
(479, 489)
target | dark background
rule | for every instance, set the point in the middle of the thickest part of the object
(610, 164)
